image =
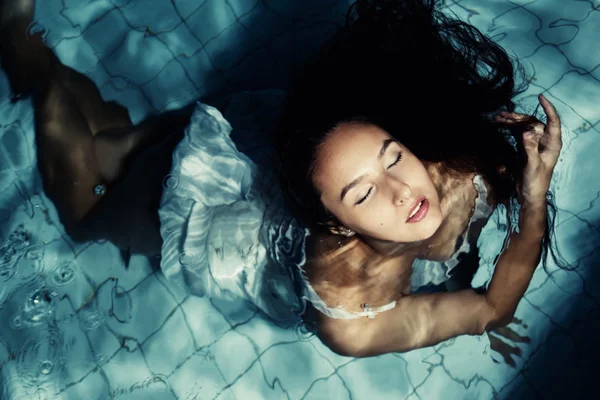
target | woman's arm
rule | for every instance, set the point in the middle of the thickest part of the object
(517, 264)
(542, 145)
(424, 320)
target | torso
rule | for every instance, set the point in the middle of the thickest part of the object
(352, 273)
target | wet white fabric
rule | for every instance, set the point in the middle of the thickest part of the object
(224, 225)
(338, 312)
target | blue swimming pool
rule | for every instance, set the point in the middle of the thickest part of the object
(77, 324)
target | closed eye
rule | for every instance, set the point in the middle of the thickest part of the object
(397, 161)
(365, 197)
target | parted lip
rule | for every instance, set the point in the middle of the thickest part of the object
(415, 204)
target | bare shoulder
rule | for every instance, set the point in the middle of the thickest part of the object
(326, 253)
(350, 273)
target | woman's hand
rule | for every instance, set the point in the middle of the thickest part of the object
(542, 144)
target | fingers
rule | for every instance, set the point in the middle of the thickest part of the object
(505, 350)
(520, 120)
(552, 143)
(511, 335)
(547, 136)
(553, 120)
(531, 137)
(531, 142)
(506, 117)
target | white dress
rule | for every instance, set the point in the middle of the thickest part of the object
(225, 228)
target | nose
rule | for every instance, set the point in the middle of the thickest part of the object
(401, 193)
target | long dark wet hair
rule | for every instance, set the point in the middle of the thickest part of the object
(433, 82)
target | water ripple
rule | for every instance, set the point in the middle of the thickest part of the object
(63, 274)
(41, 357)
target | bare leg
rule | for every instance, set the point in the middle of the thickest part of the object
(82, 140)
(116, 148)
(99, 114)
(65, 153)
(30, 65)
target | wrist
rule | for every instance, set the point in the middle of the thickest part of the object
(533, 218)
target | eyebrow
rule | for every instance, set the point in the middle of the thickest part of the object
(346, 189)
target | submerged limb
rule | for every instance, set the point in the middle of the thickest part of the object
(82, 140)
(99, 114)
(31, 66)
(499, 339)
(65, 153)
(116, 148)
(127, 216)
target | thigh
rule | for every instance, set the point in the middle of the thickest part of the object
(99, 114)
(127, 216)
(65, 153)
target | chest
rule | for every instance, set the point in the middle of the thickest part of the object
(466, 208)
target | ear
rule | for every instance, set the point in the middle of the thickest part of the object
(341, 231)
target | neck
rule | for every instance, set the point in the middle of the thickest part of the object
(394, 249)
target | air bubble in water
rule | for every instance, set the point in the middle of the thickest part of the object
(63, 274)
(170, 182)
(39, 297)
(17, 321)
(38, 308)
(48, 347)
(305, 331)
(46, 367)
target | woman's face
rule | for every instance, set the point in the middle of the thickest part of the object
(375, 186)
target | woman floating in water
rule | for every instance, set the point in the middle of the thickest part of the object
(395, 146)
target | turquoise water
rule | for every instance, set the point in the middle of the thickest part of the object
(78, 325)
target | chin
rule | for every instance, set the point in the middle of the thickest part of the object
(434, 225)
(419, 232)
(414, 237)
